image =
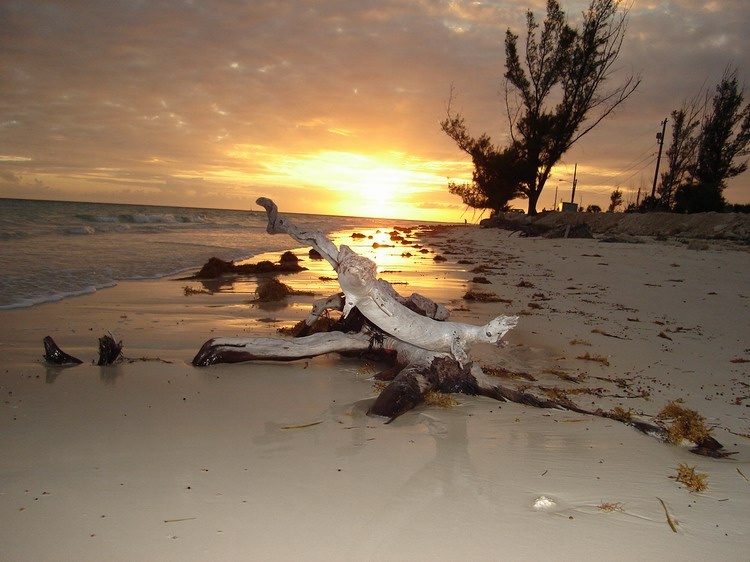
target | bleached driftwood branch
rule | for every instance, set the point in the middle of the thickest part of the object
(375, 298)
(430, 354)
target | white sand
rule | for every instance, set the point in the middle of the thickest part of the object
(163, 461)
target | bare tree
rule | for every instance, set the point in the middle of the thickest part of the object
(554, 88)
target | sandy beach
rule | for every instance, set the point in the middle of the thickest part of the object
(154, 459)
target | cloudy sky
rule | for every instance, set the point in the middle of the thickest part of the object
(329, 106)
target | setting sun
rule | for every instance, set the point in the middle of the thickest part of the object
(388, 184)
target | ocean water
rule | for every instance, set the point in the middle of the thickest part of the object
(50, 250)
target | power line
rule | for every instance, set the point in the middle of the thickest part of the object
(646, 165)
(648, 155)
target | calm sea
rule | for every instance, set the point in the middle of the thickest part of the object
(50, 250)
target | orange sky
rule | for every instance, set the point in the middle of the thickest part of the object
(325, 106)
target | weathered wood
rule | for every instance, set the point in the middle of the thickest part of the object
(237, 350)
(375, 299)
(430, 354)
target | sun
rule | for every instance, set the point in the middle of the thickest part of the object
(356, 184)
(378, 184)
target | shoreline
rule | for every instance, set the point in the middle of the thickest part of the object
(153, 459)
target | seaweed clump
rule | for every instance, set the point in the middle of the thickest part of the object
(272, 290)
(694, 481)
(685, 424)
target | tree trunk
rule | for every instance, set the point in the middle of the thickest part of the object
(533, 200)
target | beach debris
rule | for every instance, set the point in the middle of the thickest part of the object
(672, 522)
(188, 290)
(694, 481)
(56, 356)
(609, 507)
(302, 425)
(570, 231)
(440, 399)
(684, 424)
(577, 341)
(593, 357)
(743, 476)
(484, 296)
(271, 289)
(427, 353)
(148, 360)
(621, 414)
(109, 350)
(543, 503)
(217, 267)
(605, 333)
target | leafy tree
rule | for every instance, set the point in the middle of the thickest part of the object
(615, 200)
(681, 152)
(553, 93)
(697, 198)
(593, 209)
(497, 172)
(724, 137)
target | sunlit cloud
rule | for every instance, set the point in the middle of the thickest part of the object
(13, 158)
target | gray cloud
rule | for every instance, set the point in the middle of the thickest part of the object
(146, 94)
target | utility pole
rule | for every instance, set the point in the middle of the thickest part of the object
(575, 181)
(660, 139)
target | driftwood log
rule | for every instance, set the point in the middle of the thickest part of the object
(431, 353)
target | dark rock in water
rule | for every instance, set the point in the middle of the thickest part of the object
(53, 354)
(272, 290)
(216, 267)
(288, 258)
(213, 268)
(109, 350)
